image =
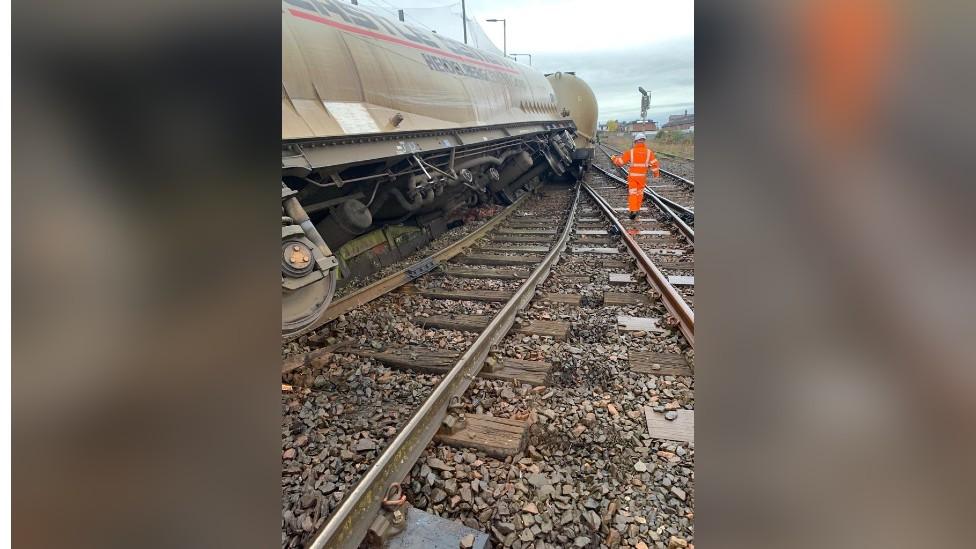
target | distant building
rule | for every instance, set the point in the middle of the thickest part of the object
(638, 126)
(643, 126)
(680, 122)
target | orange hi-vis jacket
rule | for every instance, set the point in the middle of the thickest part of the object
(640, 158)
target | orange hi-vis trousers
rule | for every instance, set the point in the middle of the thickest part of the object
(635, 191)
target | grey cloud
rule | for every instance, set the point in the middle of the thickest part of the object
(667, 69)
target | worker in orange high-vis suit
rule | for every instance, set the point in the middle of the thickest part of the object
(640, 158)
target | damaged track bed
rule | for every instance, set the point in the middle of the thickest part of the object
(556, 440)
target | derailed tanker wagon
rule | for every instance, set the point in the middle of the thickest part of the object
(389, 132)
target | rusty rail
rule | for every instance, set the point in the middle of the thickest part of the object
(401, 277)
(684, 180)
(673, 301)
(676, 218)
(687, 216)
(678, 156)
(673, 175)
(350, 522)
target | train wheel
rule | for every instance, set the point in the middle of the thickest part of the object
(306, 291)
(300, 308)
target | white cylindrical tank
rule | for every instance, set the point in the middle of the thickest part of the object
(346, 71)
(575, 99)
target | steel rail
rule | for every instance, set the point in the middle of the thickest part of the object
(403, 276)
(673, 301)
(688, 215)
(351, 520)
(683, 227)
(685, 212)
(678, 156)
(673, 175)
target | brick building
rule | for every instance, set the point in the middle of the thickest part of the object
(642, 126)
(680, 122)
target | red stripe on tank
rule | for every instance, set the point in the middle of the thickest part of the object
(388, 38)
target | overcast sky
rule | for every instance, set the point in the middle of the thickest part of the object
(615, 45)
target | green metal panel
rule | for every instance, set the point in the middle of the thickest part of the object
(362, 244)
(395, 234)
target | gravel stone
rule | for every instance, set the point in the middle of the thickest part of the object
(579, 481)
(675, 542)
(365, 445)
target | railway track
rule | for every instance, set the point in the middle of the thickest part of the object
(676, 188)
(539, 355)
(682, 217)
(679, 165)
(665, 242)
(675, 156)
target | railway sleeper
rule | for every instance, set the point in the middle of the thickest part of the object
(520, 239)
(440, 361)
(555, 329)
(487, 273)
(490, 259)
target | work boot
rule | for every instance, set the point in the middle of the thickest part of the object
(633, 215)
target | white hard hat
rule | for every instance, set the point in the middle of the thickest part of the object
(639, 135)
